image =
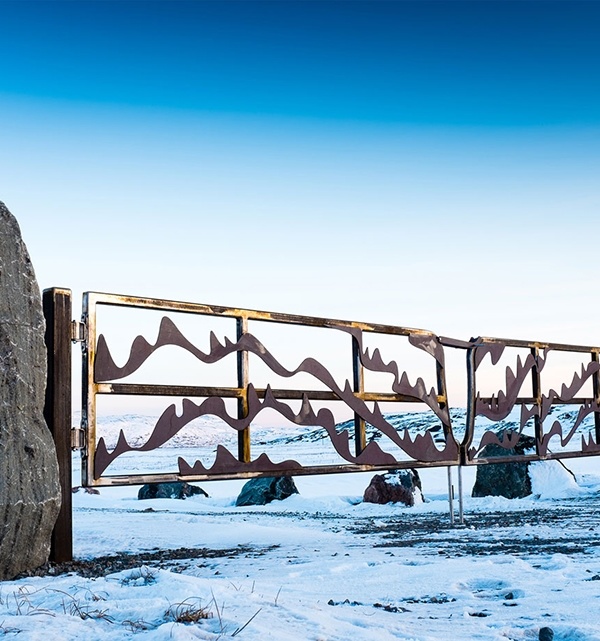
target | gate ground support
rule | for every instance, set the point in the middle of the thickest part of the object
(57, 304)
(450, 495)
(461, 515)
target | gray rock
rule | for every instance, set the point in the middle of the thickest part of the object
(261, 491)
(546, 634)
(510, 480)
(398, 486)
(29, 482)
(175, 490)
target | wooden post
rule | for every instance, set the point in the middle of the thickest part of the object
(57, 410)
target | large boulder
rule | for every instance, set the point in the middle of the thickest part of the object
(29, 482)
(510, 480)
(261, 491)
(397, 486)
(177, 490)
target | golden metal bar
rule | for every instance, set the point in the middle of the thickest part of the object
(243, 375)
(166, 477)
(560, 347)
(137, 389)
(248, 314)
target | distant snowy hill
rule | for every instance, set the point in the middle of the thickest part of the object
(205, 431)
(210, 430)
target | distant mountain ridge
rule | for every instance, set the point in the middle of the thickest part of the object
(210, 430)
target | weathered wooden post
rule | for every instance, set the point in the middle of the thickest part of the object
(57, 305)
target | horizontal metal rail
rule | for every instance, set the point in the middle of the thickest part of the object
(96, 298)
(133, 389)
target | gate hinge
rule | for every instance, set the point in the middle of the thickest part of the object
(77, 331)
(77, 438)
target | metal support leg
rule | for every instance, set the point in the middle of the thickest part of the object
(461, 518)
(450, 495)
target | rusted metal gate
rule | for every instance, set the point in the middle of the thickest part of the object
(370, 442)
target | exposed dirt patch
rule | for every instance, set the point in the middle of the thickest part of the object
(103, 565)
(573, 528)
(569, 527)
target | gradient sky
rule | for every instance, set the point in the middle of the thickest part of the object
(428, 164)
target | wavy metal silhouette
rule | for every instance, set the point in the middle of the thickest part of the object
(422, 447)
(500, 405)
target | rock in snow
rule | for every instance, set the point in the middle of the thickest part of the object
(29, 486)
(261, 491)
(544, 479)
(399, 486)
(510, 480)
(175, 490)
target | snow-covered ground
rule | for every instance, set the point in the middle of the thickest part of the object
(323, 566)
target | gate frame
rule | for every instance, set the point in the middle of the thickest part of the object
(92, 388)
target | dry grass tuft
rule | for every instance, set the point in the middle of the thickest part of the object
(189, 611)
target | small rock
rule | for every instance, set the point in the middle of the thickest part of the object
(398, 486)
(261, 491)
(177, 490)
(546, 634)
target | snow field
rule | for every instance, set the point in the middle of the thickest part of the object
(299, 570)
(323, 566)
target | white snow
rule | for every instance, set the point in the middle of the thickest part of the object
(552, 480)
(323, 566)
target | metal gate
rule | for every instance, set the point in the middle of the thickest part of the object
(371, 380)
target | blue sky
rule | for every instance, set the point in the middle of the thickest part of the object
(429, 63)
(429, 164)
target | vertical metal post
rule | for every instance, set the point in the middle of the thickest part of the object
(596, 388)
(450, 495)
(88, 390)
(536, 388)
(243, 375)
(442, 392)
(57, 304)
(358, 382)
(471, 409)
